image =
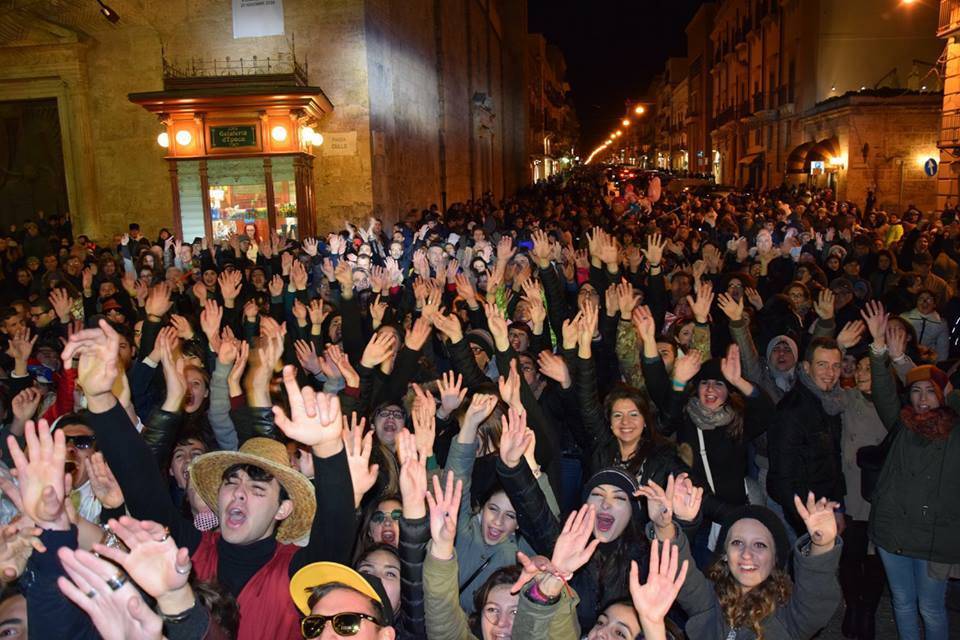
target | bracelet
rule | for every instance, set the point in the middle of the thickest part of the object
(679, 386)
(179, 617)
(535, 595)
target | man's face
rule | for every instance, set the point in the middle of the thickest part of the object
(782, 358)
(49, 358)
(825, 367)
(40, 317)
(519, 339)
(350, 601)
(183, 455)
(667, 354)
(81, 444)
(73, 266)
(396, 250)
(13, 617)
(13, 324)
(249, 509)
(50, 262)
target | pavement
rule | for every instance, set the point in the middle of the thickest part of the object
(886, 628)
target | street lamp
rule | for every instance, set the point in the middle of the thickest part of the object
(626, 122)
(639, 110)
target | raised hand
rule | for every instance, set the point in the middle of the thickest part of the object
(755, 298)
(479, 409)
(659, 502)
(571, 331)
(653, 599)
(239, 366)
(687, 498)
(158, 303)
(452, 393)
(18, 541)
(542, 250)
(25, 404)
(731, 370)
(315, 418)
(61, 303)
(498, 326)
(418, 334)
(275, 286)
(654, 251)
(119, 614)
(359, 447)
(509, 387)
(105, 487)
(588, 326)
(413, 476)
(824, 306)
(820, 519)
(182, 325)
(573, 547)
(378, 308)
(687, 366)
(380, 347)
(645, 325)
(515, 437)
(21, 346)
(850, 335)
(424, 420)
(627, 299)
(153, 559)
(876, 318)
(210, 320)
(701, 305)
(307, 356)
(733, 309)
(344, 275)
(342, 362)
(896, 339)
(99, 367)
(40, 473)
(466, 290)
(554, 367)
(444, 506)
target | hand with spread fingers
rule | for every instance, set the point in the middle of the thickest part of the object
(43, 485)
(444, 504)
(359, 447)
(653, 599)
(315, 418)
(820, 518)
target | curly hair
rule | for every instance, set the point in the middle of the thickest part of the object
(748, 610)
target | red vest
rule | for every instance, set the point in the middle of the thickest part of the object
(266, 610)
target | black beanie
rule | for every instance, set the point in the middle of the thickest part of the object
(709, 370)
(767, 518)
(619, 478)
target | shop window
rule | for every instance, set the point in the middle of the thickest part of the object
(285, 196)
(238, 197)
(191, 199)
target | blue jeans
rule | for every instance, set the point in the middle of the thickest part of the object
(910, 586)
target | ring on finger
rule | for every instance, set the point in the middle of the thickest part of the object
(116, 581)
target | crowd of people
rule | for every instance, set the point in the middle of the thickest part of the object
(595, 409)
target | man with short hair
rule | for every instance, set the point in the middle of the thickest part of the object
(804, 437)
(338, 602)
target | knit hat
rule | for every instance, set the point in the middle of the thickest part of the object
(709, 370)
(931, 373)
(482, 339)
(767, 518)
(619, 478)
(781, 339)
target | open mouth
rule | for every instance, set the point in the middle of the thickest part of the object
(389, 536)
(494, 534)
(236, 517)
(605, 522)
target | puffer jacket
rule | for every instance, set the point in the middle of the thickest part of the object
(915, 511)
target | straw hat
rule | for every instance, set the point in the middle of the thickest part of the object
(206, 475)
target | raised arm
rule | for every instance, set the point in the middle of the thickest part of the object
(883, 387)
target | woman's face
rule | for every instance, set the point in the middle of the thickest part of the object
(385, 566)
(712, 393)
(863, 376)
(833, 263)
(587, 291)
(923, 396)
(109, 268)
(751, 553)
(883, 262)
(384, 528)
(196, 390)
(735, 289)
(499, 611)
(387, 423)
(626, 422)
(613, 511)
(685, 335)
(617, 622)
(498, 519)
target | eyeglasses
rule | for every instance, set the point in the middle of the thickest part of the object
(493, 614)
(396, 414)
(82, 442)
(379, 516)
(344, 624)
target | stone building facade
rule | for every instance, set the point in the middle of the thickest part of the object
(432, 94)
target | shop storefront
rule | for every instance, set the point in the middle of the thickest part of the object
(240, 151)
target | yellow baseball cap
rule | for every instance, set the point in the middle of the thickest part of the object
(318, 574)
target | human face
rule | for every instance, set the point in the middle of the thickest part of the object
(196, 390)
(825, 368)
(258, 279)
(13, 617)
(863, 375)
(617, 622)
(685, 335)
(735, 289)
(751, 553)
(923, 396)
(13, 324)
(249, 509)
(528, 369)
(712, 393)
(50, 262)
(137, 332)
(926, 304)
(335, 330)
(587, 291)
(519, 339)
(349, 601)
(81, 445)
(499, 611)
(613, 511)
(480, 356)
(782, 358)
(626, 422)
(387, 423)
(183, 455)
(23, 277)
(883, 262)
(385, 566)
(798, 298)
(396, 250)
(73, 266)
(497, 519)
(48, 358)
(667, 354)
(40, 317)
(383, 528)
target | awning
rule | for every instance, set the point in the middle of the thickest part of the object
(750, 158)
(797, 160)
(823, 151)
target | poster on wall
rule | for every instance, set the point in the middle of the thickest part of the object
(253, 18)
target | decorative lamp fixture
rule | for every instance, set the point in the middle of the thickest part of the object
(278, 133)
(306, 134)
(626, 122)
(316, 139)
(163, 139)
(183, 137)
(836, 162)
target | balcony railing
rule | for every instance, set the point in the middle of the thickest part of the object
(949, 17)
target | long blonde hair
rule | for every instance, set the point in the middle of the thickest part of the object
(748, 610)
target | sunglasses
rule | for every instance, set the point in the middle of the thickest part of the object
(81, 442)
(344, 624)
(379, 516)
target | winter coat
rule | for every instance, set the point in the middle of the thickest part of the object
(932, 331)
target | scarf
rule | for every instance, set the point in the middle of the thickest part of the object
(831, 401)
(932, 425)
(706, 419)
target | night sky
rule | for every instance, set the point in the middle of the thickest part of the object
(613, 48)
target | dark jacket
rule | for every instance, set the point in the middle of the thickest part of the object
(804, 453)
(915, 507)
